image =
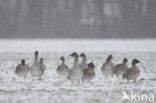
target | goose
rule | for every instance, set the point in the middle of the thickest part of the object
(120, 69)
(63, 68)
(38, 67)
(42, 65)
(22, 69)
(75, 73)
(83, 64)
(89, 74)
(107, 66)
(133, 72)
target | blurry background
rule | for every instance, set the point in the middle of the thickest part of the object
(77, 18)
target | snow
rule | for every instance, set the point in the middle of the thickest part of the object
(53, 89)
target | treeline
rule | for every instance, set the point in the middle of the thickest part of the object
(77, 18)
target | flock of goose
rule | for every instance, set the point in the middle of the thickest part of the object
(82, 71)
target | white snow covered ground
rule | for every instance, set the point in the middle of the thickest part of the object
(54, 90)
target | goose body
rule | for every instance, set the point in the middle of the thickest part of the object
(83, 66)
(22, 69)
(63, 68)
(89, 74)
(35, 70)
(107, 67)
(120, 69)
(75, 73)
(133, 72)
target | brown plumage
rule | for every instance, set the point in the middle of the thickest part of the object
(62, 69)
(89, 73)
(38, 67)
(75, 73)
(120, 69)
(133, 72)
(22, 69)
(83, 64)
(107, 67)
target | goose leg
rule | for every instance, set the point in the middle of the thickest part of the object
(134, 81)
(82, 81)
(25, 77)
(78, 82)
(88, 81)
(40, 78)
(33, 77)
(71, 82)
(127, 81)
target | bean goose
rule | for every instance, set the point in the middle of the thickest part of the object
(62, 69)
(83, 65)
(38, 67)
(89, 73)
(133, 72)
(107, 66)
(22, 69)
(120, 69)
(75, 73)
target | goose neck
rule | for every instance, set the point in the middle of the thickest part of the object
(108, 60)
(134, 65)
(36, 59)
(75, 65)
(124, 63)
(63, 61)
(84, 60)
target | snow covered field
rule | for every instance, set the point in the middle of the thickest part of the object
(54, 90)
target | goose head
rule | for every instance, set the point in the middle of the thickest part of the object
(135, 61)
(23, 62)
(74, 54)
(62, 58)
(83, 55)
(125, 60)
(110, 57)
(91, 65)
(41, 60)
(36, 53)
